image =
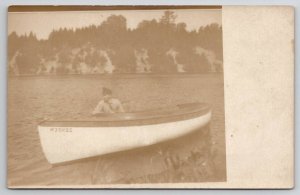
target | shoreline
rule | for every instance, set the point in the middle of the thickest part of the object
(118, 75)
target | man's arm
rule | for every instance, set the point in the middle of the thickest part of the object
(120, 107)
(98, 108)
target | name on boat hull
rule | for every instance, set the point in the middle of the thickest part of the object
(61, 129)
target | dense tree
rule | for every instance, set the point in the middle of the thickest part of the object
(168, 18)
(112, 43)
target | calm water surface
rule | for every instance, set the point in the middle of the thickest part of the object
(32, 99)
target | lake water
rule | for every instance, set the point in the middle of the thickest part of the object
(193, 158)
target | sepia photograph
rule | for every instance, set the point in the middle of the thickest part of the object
(115, 95)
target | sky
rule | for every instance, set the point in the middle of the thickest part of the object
(42, 23)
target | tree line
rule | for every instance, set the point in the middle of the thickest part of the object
(155, 46)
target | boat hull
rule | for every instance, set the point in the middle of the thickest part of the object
(68, 143)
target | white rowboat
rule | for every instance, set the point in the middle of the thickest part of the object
(64, 141)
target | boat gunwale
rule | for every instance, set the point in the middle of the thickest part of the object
(205, 109)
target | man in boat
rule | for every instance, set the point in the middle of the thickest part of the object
(108, 104)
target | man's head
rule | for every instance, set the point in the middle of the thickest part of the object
(107, 93)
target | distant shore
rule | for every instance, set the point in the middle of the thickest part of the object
(119, 75)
